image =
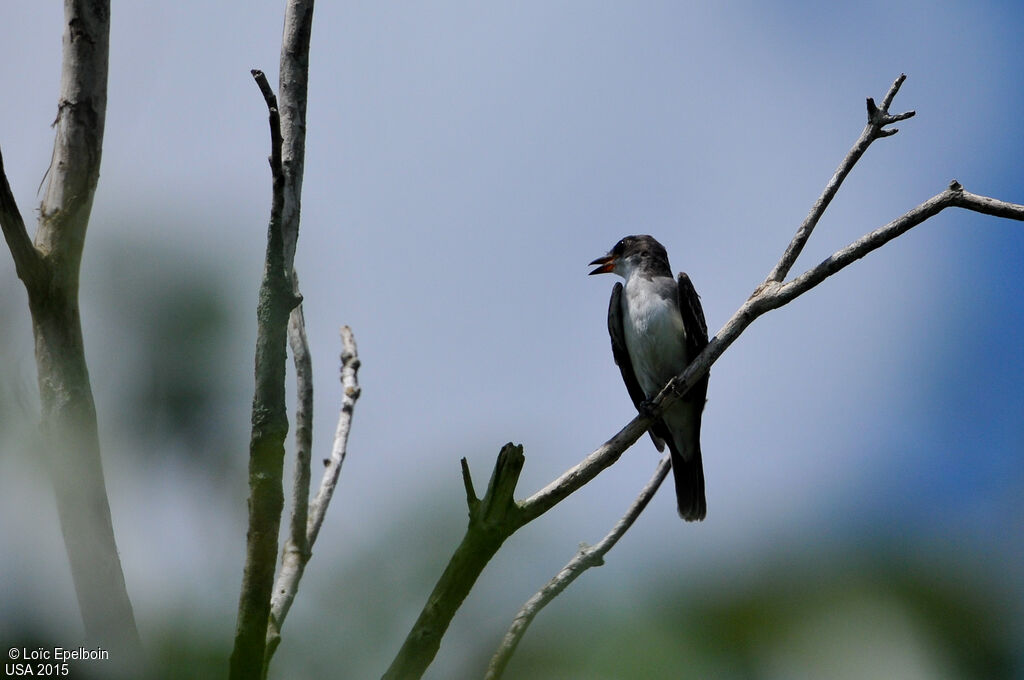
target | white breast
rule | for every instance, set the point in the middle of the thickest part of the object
(654, 333)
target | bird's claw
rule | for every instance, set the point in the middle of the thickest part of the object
(646, 409)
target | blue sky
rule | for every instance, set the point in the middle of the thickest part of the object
(465, 161)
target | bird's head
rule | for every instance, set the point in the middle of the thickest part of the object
(633, 252)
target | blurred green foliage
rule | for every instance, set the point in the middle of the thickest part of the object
(863, 612)
(867, 613)
(170, 351)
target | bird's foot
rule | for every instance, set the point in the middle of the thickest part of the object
(646, 409)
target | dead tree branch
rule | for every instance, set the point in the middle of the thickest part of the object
(299, 547)
(350, 364)
(49, 268)
(269, 428)
(303, 426)
(586, 557)
(492, 519)
(293, 84)
(28, 263)
(278, 297)
(874, 129)
(297, 550)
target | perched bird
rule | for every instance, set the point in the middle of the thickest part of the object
(657, 327)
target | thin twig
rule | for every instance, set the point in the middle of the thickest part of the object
(350, 394)
(303, 422)
(983, 204)
(298, 551)
(27, 261)
(877, 120)
(954, 196)
(274, 116)
(587, 557)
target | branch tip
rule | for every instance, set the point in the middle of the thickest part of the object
(955, 186)
(268, 93)
(872, 109)
(891, 94)
(467, 481)
(499, 500)
(879, 116)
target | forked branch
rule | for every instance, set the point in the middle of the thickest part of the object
(27, 261)
(278, 297)
(586, 557)
(307, 518)
(49, 265)
(878, 118)
(269, 429)
(492, 519)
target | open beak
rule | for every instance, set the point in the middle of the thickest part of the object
(605, 264)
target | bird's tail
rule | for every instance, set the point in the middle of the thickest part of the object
(689, 476)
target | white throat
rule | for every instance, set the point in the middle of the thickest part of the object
(653, 328)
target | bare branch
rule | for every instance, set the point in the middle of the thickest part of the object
(954, 196)
(299, 547)
(303, 424)
(578, 475)
(274, 115)
(50, 269)
(983, 204)
(587, 557)
(491, 520)
(27, 262)
(877, 120)
(292, 83)
(295, 553)
(350, 393)
(893, 91)
(296, 550)
(278, 297)
(78, 143)
(467, 481)
(303, 421)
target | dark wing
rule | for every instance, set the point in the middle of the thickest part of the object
(687, 466)
(621, 354)
(696, 327)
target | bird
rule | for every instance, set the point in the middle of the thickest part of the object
(657, 327)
